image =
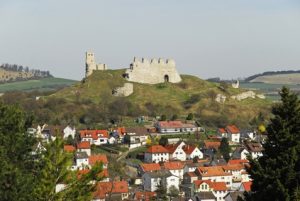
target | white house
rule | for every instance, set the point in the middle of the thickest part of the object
(151, 180)
(97, 137)
(176, 151)
(233, 133)
(84, 146)
(175, 127)
(69, 131)
(175, 167)
(219, 189)
(192, 151)
(156, 154)
(82, 161)
(137, 136)
(250, 148)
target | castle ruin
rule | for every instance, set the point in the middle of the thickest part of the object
(152, 72)
(90, 64)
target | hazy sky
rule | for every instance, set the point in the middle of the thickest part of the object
(207, 38)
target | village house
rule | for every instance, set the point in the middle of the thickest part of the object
(175, 167)
(219, 189)
(156, 154)
(96, 137)
(137, 136)
(215, 174)
(189, 177)
(151, 180)
(144, 195)
(175, 127)
(148, 167)
(176, 151)
(245, 186)
(233, 133)
(222, 132)
(192, 152)
(69, 131)
(84, 146)
(69, 148)
(116, 190)
(81, 161)
(99, 158)
(249, 148)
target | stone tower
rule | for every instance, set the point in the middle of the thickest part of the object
(90, 64)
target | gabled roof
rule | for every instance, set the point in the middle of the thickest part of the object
(69, 148)
(233, 167)
(137, 130)
(237, 161)
(199, 182)
(232, 129)
(170, 124)
(254, 147)
(190, 174)
(159, 174)
(148, 167)
(174, 165)
(81, 155)
(247, 185)
(93, 159)
(95, 134)
(157, 149)
(212, 171)
(84, 145)
(212, 144)
(104, 188)
(188, 149)
(216, 186)
(172, 147)
(222, 130)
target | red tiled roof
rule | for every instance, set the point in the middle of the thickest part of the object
(212, 144)
(237, 161)
(233, 167)
(84, 145)
(222, 130)
(172, 147)
(157, 149)
(188, 149)
(232, 129)
(95, 134)
(191, 174)
(212, 171)
(148, 167)
(219, 186)
(103, 173)
(199, 182)
(98, 158)
(175, 165)
(145, 196)
(170, 124)
(69, 148)
(247, 185)
(106, 187)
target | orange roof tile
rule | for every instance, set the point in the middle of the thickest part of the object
(232, 129)
(172, 147)
(199, 182)
(157, 149)
(212, 144)
(98, 158)
(233, 167)
(95, 134)
(191, 174)
(84, 145)
(170, 124)
(247, 185)
(103, 173)
(219, 186)
(114, 187)
(237, 161)
(212, 171)
(188, 149)
(69, 148)
(148, 167)
(222, 130)
(174, 165)
(145, 196)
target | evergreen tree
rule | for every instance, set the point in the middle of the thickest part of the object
(276, 175)
(225, 149)
(161, 192)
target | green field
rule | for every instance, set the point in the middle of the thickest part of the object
(45, 84)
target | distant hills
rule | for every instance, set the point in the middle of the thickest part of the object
(276, 77)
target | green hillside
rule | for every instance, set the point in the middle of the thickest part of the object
(44, 84)
(192, 95)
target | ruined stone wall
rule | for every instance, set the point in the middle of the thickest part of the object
(91, 65)
(126, 90)
(152, 72)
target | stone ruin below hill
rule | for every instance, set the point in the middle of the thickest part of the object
(153, 71)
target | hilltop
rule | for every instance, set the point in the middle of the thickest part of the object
(276, 77)
(191, 95)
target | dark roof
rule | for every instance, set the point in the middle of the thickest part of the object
(205, 195)
(253, 147)
(159, 173)
(234, 195)
(137, 130)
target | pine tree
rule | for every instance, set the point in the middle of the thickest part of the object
(276, 175)
(225, 149)
(161, 191)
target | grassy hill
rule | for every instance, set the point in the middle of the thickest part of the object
(44, 84)
(292, 78)
(192, 95)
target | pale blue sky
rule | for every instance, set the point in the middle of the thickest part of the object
(207, 38)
